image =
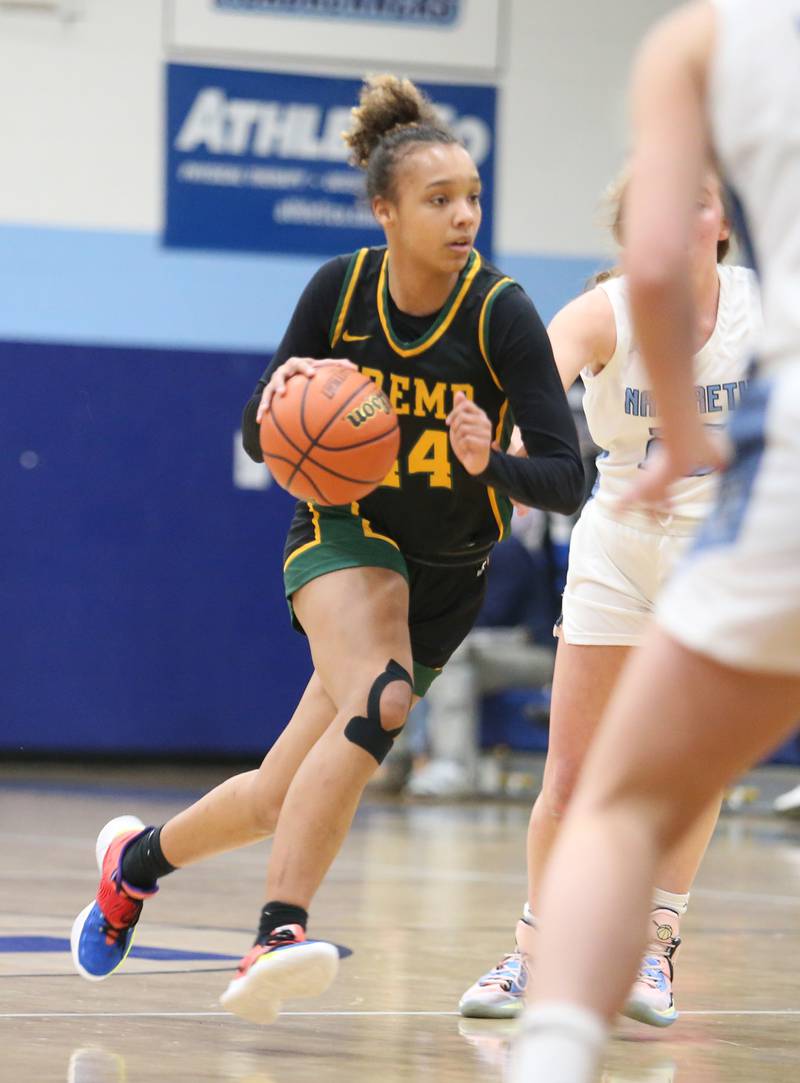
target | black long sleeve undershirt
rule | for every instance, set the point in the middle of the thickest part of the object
(551, 477)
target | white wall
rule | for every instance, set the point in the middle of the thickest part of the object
(563, 118)
(82, 122)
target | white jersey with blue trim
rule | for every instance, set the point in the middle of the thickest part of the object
(622, 414)
(754, 103)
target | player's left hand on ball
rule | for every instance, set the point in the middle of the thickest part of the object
(294, 366)
(470, 434)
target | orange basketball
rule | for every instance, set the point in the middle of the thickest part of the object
(331, 438)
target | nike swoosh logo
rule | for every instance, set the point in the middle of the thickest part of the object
(347, 337)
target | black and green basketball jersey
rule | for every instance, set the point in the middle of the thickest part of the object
(428, 503)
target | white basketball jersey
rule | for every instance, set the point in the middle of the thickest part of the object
(755, 120)
(622, 415)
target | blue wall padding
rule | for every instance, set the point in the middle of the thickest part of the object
(141, 591)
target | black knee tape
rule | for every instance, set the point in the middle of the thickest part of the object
(367, 731)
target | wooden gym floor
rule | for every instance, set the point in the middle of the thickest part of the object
(425, 896)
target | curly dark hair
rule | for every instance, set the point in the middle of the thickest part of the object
(393, 115)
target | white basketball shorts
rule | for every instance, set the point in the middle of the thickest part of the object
(736, 595)
(615, 572)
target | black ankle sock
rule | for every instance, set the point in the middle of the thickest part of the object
(144, 862)
(275, 914)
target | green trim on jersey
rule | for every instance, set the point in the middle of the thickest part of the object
(341, 539)
(501, 504)
(485, 320)
(502, 508)
(442, 322)
(424, 677)
(346, 294)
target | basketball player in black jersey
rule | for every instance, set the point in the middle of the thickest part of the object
(386, 589)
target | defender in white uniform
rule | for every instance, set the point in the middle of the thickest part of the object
(716, 683)
(618, 562)
(620, 558)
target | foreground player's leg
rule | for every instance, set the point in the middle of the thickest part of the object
(637, 797)
(584, 679)
(582, 682)
(364, 662)
(131, 857)
(650, 999)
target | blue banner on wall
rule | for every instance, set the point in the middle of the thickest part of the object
(256, 162)
(425, 12)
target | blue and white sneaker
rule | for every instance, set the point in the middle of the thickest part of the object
(650, 999)
(499, 994)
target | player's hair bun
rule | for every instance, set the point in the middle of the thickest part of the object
(386, 103)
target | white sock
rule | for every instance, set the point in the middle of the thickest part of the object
(666, 900)
(557, 1043)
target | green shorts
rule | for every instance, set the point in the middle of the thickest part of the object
(444, 601)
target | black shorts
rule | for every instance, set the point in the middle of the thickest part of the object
(444, 600)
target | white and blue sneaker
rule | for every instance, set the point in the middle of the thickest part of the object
(499, 994)
(650, 999)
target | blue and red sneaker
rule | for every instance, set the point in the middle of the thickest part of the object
(102, 934)
(286, 966)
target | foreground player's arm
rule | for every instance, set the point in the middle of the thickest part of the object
(522, 360)
(305, 337)
(671, 151)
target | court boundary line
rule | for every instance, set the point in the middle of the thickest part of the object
(342, 1014)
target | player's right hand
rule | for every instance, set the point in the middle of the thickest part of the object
(295, 366)
(671, 461)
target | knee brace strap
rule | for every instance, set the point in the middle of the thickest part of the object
(367, 731)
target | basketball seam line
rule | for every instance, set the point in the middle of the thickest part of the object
(310, 480)
(283, 433)
(331, 420)
(337, 473)
(328, 470)
(363, 443)
(298, 449)
(325, 427)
